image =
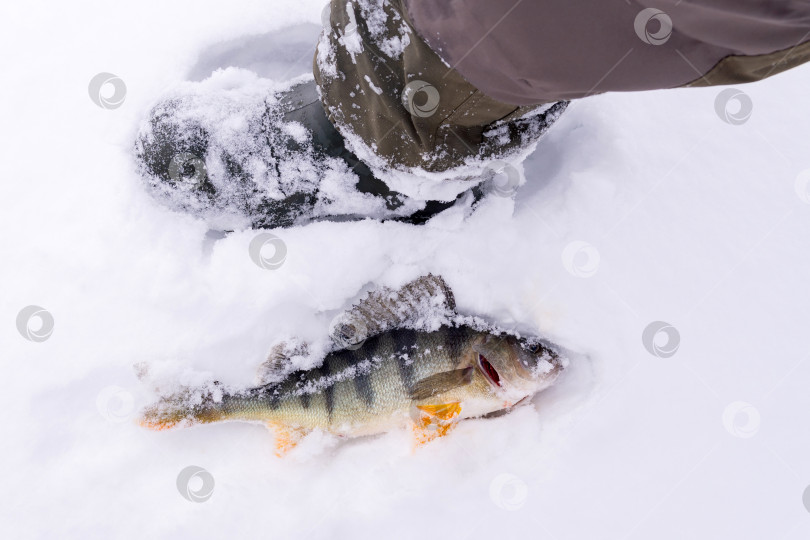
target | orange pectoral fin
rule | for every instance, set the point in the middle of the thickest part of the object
(434, 421)
(286, 437)
(445, 411)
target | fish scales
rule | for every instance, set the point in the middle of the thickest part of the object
(374, 387)
(373, 380)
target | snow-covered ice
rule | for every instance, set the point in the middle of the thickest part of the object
(638, 208)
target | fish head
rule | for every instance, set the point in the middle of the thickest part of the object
(517, 366)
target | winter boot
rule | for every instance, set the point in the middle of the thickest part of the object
(238, 154)
(394, 134)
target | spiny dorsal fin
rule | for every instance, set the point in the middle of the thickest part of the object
(279, 360)
(441, 382)
(417, 305)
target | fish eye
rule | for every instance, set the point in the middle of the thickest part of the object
(534, 348)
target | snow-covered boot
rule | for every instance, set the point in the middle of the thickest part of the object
(386, 130)
(239, 152)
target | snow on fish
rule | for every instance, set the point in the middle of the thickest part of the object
(402, 359)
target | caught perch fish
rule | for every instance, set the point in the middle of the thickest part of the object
(384, 376)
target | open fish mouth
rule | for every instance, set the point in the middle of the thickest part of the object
(489, 371)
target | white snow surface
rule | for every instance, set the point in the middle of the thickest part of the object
(680, 216)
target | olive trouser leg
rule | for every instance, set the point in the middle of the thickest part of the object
(401, 106)
(523, 51)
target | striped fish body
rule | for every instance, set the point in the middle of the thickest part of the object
(383, 375)
(370, 389)
(400, 377)
(387, 382)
